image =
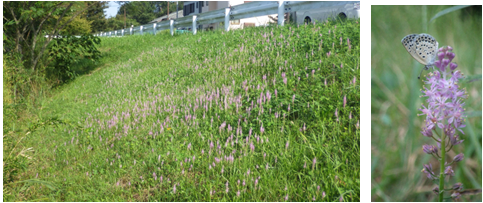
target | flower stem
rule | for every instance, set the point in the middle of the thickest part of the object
(441, 174)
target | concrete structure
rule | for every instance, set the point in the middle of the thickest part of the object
(195, 7)
(351, 10)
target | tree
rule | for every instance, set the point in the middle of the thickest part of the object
(145, 11)
(24, 24)
(120, 4)
(95, 14)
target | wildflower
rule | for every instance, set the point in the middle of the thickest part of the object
(313, 163)
(174, 189)
(323, 194)
(345, 100)
(336, 115)
(443, 109)
(286, 197)
(286, 146)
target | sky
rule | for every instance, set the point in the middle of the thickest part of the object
(112, 9)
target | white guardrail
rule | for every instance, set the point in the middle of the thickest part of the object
(246, 10)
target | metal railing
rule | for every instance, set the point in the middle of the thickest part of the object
(247, 10)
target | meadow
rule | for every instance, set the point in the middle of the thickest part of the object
(259, 114)
(397, 155)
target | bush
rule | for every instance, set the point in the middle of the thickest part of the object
(68, 50)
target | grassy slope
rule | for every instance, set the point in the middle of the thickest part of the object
(397, 158)
(159, 100)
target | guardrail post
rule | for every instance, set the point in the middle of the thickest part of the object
(194, 24)
(141, 30)
(281, 12)
(154, 28)
(110, 34)
(122, 32)
(227, 19)
(171, 25)
(115, 33)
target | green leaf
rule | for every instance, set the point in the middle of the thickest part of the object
(448, 10)
(37, 181)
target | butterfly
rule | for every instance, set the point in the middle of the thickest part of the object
(422, 47)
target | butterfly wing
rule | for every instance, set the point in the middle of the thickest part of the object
(409, 43)
(425, 48)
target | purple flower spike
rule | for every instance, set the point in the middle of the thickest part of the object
(345, 100)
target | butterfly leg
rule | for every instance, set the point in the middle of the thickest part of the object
(425, 68)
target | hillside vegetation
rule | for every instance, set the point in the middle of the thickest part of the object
(260, 114)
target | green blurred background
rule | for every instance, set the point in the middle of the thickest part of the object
(397, 156)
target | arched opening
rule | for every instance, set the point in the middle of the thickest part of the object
(342, 16)
(307, 20)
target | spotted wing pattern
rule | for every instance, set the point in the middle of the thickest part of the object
(422, 47)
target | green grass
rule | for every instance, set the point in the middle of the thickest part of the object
(155, 102)
(397, 155)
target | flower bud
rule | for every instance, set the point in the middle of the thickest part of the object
(436, 190)
(458, 186)
(449, 171)
(444, 63)
(440, 55)
(450, 55)
(456, 195)
(453, 66)
(459, 157)
(427, 132)
(428, 149)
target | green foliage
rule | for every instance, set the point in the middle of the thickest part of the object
(78, 26)
(68, 50)
(145, 11)
(117, 22)
(95, 160)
